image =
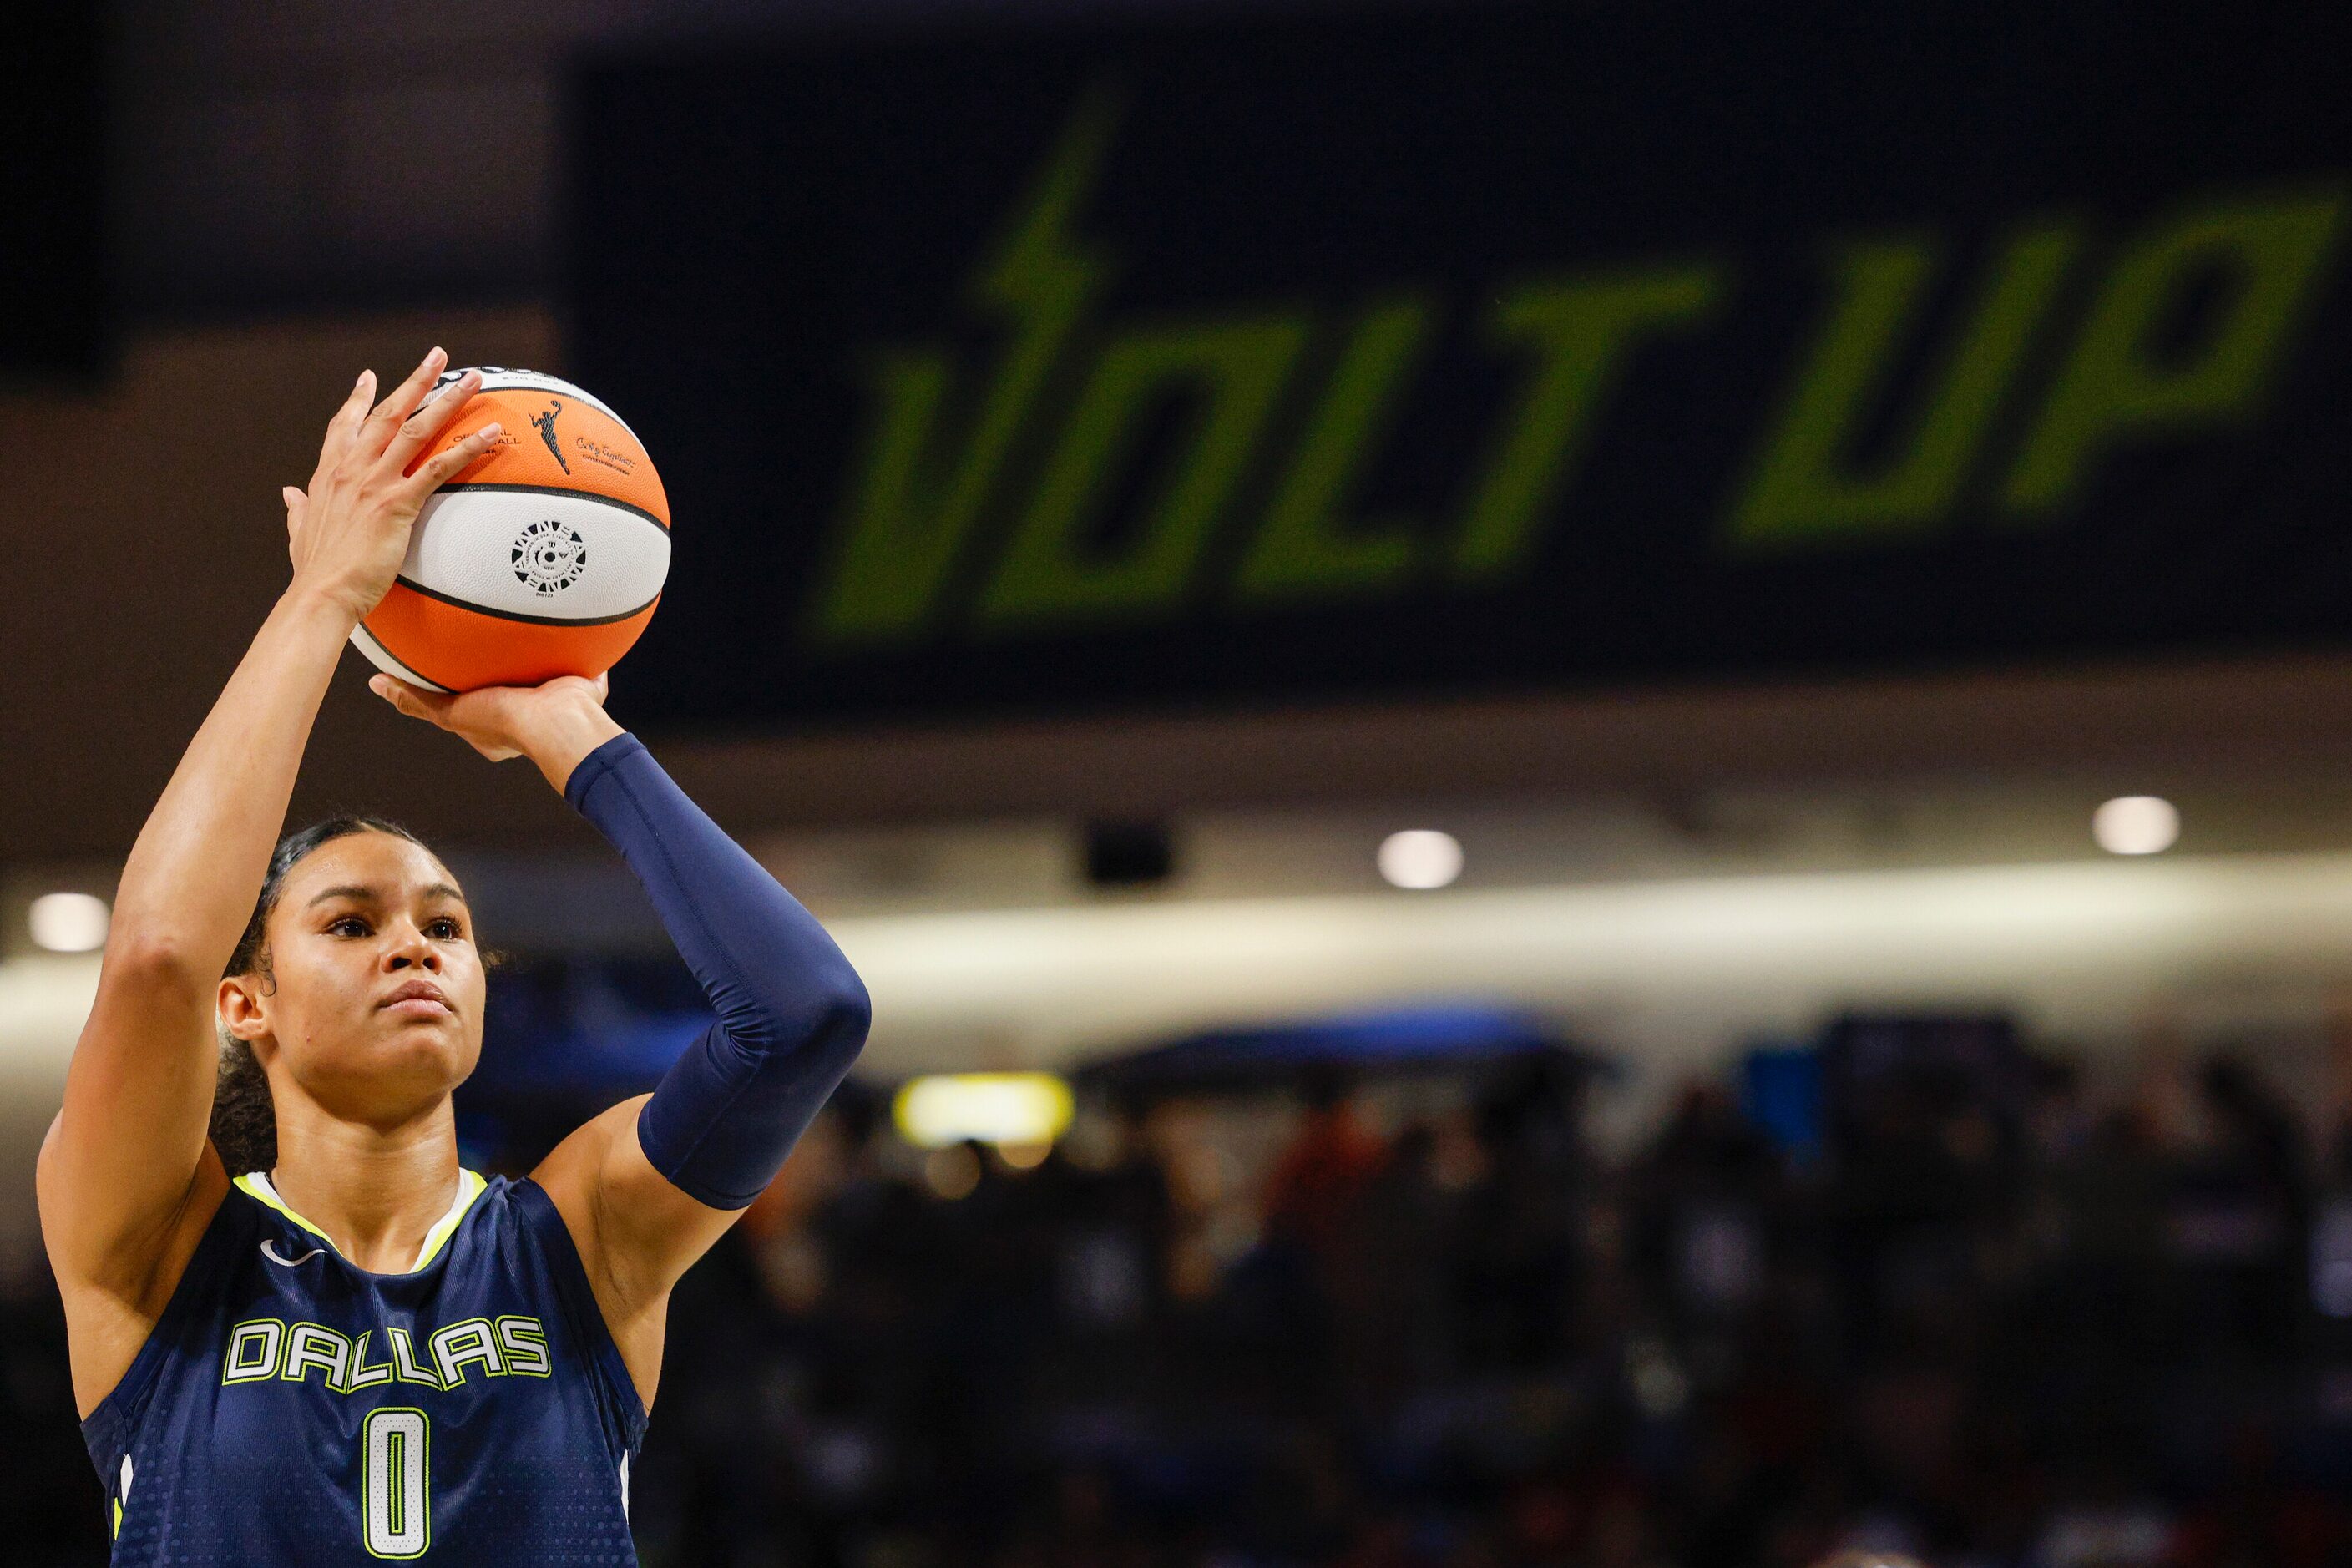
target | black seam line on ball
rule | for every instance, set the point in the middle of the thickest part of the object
(596, 496)
(452, 600)
(514, 378)
(562, 388)
(422, 678)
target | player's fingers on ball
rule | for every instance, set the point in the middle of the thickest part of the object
(401, 402)
(432, 475)
(603, 687)
(356, 403)
(346, 422)
(412, 700)
(418, 430)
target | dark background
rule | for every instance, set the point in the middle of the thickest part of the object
(53, 265)
(822, 203)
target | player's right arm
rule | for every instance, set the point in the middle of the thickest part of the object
(125, 1179)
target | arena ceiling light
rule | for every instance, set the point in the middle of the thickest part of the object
(2135, 824)
(1419, 858)
(67, 922)
(1020, 1108)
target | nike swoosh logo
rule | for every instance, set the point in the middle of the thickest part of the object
(271, 1253)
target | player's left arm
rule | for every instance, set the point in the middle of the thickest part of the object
(647, 1187)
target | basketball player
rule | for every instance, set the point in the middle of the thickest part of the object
(344, 1347)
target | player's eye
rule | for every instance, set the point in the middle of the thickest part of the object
(444, 930)
(347, 925)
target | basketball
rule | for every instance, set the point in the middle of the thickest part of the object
(544, 558)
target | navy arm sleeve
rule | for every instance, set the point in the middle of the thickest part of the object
(791, 1013)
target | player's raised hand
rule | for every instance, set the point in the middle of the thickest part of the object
(347, 532)
(555, 725)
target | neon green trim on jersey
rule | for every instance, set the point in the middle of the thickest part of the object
(256, 1187)
(469, 1187)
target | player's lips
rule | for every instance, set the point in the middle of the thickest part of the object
(418, 999)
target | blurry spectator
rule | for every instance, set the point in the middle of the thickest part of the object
(1522, 1220)
(1317, 1184)
(1702, 1197)
(2242, 1216)
(1111, 1254)
(2101, 1309)
(1398, 1310)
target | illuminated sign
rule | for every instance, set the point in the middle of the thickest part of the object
(1493, 349)
(986, 1107)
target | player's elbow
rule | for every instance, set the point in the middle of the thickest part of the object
(846, 1016)
(156, 962)
(809, 1010)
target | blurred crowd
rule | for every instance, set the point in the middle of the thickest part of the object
(2058, 1329)
(2054, 1333)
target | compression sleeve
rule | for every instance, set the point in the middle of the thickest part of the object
(791, 1012)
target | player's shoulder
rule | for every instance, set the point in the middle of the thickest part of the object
(513, 1205)
(494, 1204)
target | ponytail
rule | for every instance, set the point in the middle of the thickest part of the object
(245, 1118)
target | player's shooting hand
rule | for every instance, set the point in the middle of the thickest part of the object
(555, 725)
(346, 533)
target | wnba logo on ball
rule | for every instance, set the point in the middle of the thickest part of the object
(548, 557)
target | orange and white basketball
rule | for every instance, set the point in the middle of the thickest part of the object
(544, 558)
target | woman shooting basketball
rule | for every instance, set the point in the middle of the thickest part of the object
(350, 1348)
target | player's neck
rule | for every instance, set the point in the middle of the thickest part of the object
(375, 1192)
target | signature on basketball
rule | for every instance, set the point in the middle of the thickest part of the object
(597, 452)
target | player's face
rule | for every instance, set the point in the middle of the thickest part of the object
(377, 1010)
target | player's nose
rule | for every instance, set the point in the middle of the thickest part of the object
(411, 948)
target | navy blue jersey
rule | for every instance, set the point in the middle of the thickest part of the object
(292, 1409)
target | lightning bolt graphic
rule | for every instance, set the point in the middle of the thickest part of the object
(914, 504)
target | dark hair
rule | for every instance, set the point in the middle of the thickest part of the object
(245, 1118)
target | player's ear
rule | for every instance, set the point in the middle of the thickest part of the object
(238, 1005)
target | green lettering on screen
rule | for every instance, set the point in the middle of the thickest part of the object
(914, 504)
(1236, 371)
(1580, 333)
(1804, 489)
(2112, 387)
(1304, 548)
